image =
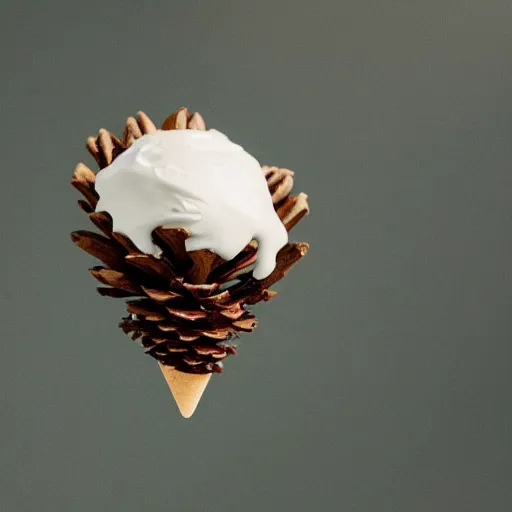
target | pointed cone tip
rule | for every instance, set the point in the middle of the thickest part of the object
(186, 388)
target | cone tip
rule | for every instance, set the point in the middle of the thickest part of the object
(186, 388)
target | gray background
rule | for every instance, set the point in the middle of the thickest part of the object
(380, 377)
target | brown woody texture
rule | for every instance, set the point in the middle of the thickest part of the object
(186, 308)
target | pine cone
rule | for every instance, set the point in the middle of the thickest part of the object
(187, 309)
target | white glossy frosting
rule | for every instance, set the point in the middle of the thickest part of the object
(197, 180)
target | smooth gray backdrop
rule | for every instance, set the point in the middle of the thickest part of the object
(380, 378)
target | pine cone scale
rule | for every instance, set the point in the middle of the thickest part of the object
(83, 180)
(151, 266)
(100, 247)
(115, 279)
(161, 295)
(115, 293)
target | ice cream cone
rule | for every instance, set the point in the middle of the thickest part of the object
(187, 306)
(187, 388)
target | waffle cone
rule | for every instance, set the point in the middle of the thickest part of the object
(186, 388)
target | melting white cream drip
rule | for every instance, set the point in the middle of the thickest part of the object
(197, 180)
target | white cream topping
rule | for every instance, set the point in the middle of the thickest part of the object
(197, 180)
